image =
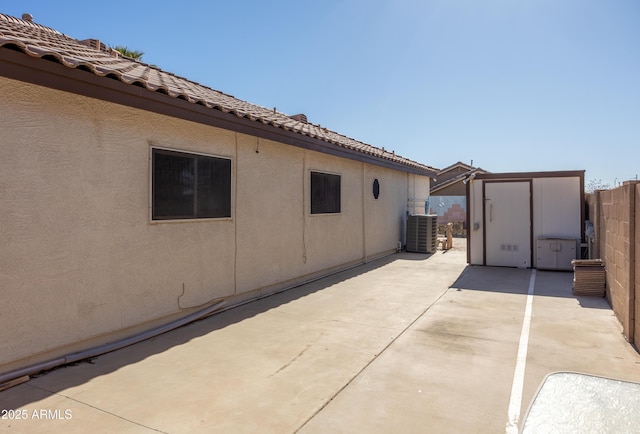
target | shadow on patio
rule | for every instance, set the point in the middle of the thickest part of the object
(516, 281)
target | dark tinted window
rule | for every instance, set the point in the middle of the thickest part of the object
(190, 186)
(325, 193)
(214, 187)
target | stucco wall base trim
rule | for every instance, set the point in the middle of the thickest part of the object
(266, 291)
(381, 255)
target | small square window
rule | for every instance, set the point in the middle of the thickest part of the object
(325, 193)
(190, 186)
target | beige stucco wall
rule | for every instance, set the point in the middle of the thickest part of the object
(388, 211)
(81, 263)
(418, 192)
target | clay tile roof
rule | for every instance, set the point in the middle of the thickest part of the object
(40, 41)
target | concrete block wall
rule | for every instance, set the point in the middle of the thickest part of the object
(616, 215)
(636, 262)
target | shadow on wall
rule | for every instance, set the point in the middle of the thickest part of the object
(516, 281)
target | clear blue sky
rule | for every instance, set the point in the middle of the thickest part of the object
(526, 85)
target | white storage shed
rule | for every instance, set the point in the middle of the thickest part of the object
(528, 219)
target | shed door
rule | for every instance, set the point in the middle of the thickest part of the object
(507, 209)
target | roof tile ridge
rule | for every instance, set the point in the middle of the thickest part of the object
(15, 20)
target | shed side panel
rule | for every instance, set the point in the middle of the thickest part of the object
(556, 207)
